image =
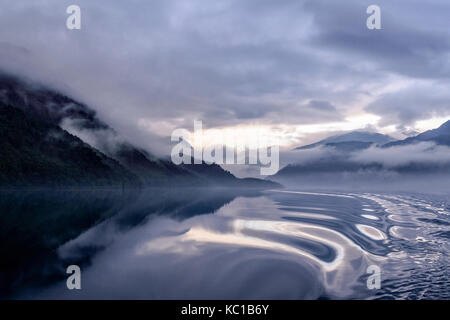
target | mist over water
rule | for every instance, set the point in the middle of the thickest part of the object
(225, 244)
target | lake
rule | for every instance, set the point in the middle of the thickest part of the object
(223, 244)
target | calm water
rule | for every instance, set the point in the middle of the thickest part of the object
(222, 244)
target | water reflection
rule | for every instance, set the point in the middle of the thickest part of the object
(34, 223)
(225, 244)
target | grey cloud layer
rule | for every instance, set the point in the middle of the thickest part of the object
(231, 62)
(426, 153)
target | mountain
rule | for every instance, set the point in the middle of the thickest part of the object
(39, 153)
(352, 141)
(45, 104)
(355, 140)
(51, 107)
(440, 136)
(52, 151)
(342, 158)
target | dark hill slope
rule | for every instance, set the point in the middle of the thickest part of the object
(39, 153)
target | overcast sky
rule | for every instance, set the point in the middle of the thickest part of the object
(301, 69)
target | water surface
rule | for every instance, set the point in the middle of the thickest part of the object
(224, 244)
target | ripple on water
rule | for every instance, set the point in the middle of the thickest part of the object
(370, 217)
(418, 264)
(371, 232)
(280, 245)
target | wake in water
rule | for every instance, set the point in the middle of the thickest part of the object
(419, 229)
(279, 245)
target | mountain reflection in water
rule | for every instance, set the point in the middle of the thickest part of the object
(223, 244)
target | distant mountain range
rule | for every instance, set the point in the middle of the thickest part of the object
(37, 151)
(440, 136)
(364, 139)
(351, 141)
(339, 151)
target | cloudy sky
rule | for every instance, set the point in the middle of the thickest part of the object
(297, 69)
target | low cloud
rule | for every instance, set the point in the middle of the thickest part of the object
(307, 156)
(425, 153)
(420, 153)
